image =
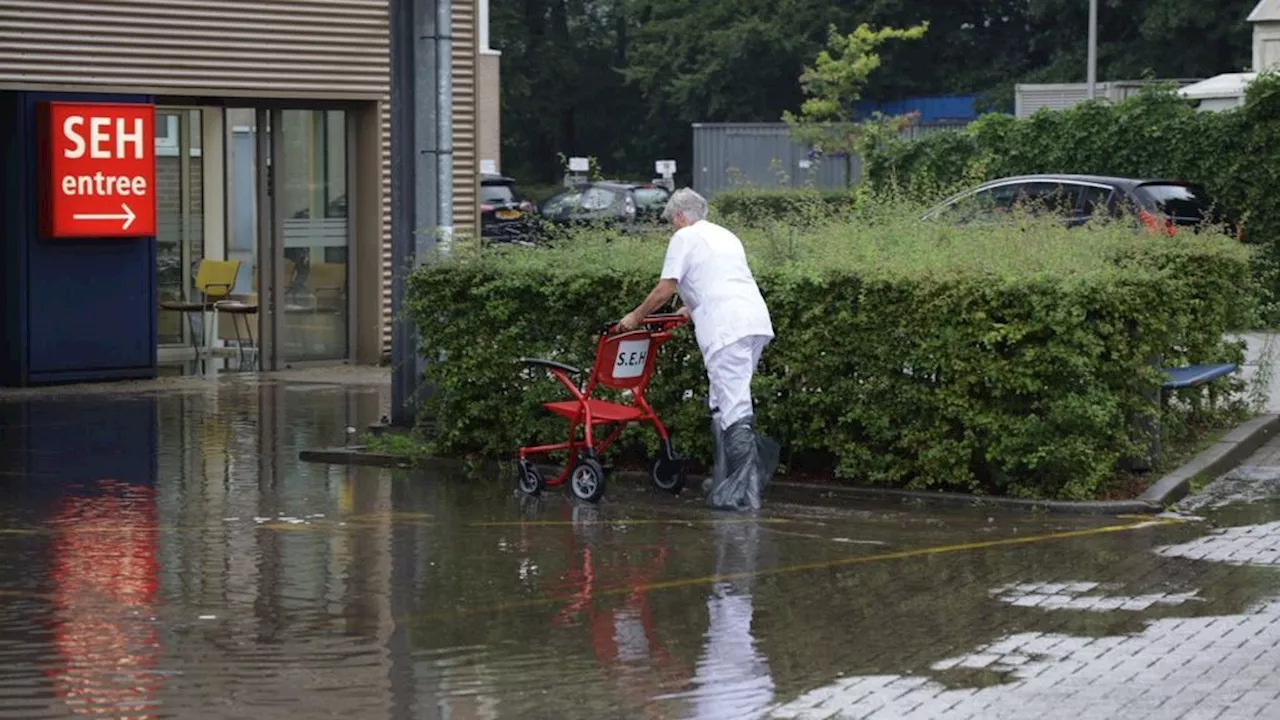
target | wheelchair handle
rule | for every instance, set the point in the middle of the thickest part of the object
(664, 322)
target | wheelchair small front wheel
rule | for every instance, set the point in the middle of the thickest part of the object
(531, 481)
(587, 480)
(668, 474)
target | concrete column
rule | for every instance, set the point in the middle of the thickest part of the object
(421, 184)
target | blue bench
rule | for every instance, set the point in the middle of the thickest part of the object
(1181, 378)
(1177, 378)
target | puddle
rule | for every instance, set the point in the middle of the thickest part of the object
(166, 555)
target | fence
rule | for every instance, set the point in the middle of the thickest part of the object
(764, 155)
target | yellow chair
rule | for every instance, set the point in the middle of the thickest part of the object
(246, 308)
(327, 283)
(214, 280)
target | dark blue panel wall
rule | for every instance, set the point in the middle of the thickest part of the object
(12, 246)
(82, 440)
(75, 310)
(50, 447)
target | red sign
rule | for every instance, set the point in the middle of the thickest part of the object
(99, 170)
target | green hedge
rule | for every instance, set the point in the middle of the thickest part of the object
(1010, 361)
(758, 208)
(1235, 155)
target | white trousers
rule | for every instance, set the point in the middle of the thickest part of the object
(729, 371)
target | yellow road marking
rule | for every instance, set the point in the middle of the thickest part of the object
(662, 521)
(824, 565)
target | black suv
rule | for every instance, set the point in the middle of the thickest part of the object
(504, 216)
(1161, 205)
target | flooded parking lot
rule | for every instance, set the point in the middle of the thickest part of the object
(164, 554)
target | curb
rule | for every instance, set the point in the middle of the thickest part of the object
(1220, 458)
(1223, 456)
(358, 455)
(951, 499)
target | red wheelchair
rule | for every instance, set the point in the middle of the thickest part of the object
(624, 361)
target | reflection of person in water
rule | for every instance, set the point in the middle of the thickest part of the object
(732, 678)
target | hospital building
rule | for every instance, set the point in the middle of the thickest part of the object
(265, 186)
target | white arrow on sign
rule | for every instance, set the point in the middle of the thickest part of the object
(127, 216)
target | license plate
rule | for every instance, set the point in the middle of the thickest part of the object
(508, 214)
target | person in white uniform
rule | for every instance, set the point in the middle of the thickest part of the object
(707, 265)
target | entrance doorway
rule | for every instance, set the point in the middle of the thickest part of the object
(281, 197)
(289, 227)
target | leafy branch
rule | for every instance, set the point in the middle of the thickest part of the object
(834, 83)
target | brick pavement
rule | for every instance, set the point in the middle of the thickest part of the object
(1224, 666)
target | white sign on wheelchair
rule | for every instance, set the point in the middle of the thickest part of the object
(631, 358)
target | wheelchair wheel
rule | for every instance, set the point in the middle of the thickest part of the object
(587, 480)
(531, 481)
(668, 474)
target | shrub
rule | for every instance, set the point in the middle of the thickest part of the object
(1235, 155)
(758, 208)
(1007, 360)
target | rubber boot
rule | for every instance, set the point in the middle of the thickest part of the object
(717, 468)
(738, 485)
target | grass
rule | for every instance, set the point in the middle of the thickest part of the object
(408, 445)
(878, 240)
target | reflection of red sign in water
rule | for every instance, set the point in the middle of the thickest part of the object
(623, 635)
(105, 578)
(99, 170)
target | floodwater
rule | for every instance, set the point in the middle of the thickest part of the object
(164, 554)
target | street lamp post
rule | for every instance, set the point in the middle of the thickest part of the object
(1093, 49)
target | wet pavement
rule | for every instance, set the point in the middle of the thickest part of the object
(164, 554)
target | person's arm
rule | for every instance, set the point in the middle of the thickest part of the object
(673, 267)
(660, 295)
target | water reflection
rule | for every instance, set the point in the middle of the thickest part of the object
(732, 677)
(168, 556)
(624, 640)
(104, 571)
(136, 583)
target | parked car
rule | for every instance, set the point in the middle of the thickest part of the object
(1161, 205)
(504, 215)
(651, 200)
(609, 202)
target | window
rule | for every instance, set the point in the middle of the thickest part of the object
(562, 203)
(981, 206)
(1046, 198)
(168, 128)
(1180, 202)
(651, 197)
(1037, 198)
(497, 195)
(1094, 200)
(597, 199)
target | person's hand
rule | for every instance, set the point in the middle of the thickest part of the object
(684, 312)
(629, 323)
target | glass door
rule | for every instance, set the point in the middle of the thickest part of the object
(310, 184)
(242, 199)
(180, 218)
(288, 226)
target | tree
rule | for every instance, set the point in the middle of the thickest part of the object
(834, 84)
(622, 80)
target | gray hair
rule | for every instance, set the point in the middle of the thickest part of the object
(688, 203)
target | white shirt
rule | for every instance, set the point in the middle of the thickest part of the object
(710, 267)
